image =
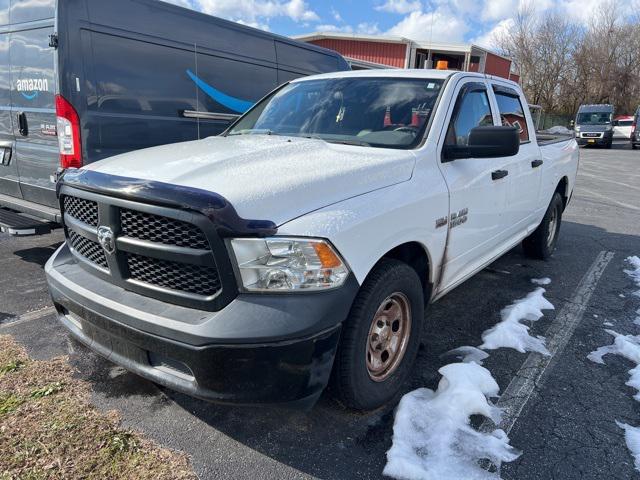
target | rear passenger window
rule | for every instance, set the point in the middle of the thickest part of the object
(472, 110)
(512, 113)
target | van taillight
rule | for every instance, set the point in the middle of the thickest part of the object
(633, 128)
(68, 124)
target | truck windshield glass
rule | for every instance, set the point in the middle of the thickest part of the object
(594, 118)
(376, 112)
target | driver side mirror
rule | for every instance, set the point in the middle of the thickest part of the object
(485, 142)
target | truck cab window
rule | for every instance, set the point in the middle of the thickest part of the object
(512, 113)
(472, 110)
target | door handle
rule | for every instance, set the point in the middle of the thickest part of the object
(23, 127)
(536, 163)
(498, 174)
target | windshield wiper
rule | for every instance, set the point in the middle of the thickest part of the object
(341, 141)
(254, 131)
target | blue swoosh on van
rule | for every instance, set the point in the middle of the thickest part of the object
(232, 103)
(30, 97)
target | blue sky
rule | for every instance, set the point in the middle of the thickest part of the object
(477, 21)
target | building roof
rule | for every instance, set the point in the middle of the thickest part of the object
(422, 44)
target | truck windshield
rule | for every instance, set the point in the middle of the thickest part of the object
(594, 118)
(375, 112)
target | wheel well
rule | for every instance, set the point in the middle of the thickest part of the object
(563, 190)
(414, 255)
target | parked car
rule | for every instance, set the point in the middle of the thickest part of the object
(635, 130)
(88, 79)
(304, 243)
(594, 125)
(622, 127)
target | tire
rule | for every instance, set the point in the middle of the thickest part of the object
(357, 381)
(541, 243)
(609, 145)
(634, 146)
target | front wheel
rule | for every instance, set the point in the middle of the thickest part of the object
(380, 338)
(542, 242)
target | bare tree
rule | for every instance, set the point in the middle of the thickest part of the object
(563, 64)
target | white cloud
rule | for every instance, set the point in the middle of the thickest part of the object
(336, 15)
(368, 28)
(399, 6)
(499, 9)
(437, 26)
(256, 12)
(489, 38)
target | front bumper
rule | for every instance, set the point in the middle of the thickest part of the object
(605, 139)
(258, 349)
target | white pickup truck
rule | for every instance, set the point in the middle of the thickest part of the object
(300, 247)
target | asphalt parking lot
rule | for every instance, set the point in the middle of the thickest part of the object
(566, 428)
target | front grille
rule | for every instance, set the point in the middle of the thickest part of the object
(84, 210)
(90, 250)
(176, 261)
(154, 228)
(175, 276)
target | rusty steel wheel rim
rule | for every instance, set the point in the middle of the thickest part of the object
(388, 336)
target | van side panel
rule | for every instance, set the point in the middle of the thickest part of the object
(139, 72)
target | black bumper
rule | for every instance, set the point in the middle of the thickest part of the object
(606, 139)
(258, 349)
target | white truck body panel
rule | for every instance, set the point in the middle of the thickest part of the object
(367, 200)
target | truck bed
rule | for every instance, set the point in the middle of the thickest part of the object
(546, 138)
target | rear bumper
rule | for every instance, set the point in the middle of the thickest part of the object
(285, 357)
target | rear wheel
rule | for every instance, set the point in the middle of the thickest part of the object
(380, 338)
(542, 242)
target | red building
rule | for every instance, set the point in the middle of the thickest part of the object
(374, 51)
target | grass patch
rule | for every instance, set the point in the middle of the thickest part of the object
(49, 429)
(12, 366)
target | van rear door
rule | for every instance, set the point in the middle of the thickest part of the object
(33, 86)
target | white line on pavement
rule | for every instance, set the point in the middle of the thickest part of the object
(27, 317)
(523, 385)
(620, 204)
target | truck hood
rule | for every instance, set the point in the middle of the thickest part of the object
(267, 177)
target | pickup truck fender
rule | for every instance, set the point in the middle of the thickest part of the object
(366, 227)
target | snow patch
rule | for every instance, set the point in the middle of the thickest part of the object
(608, 324)
(632, 438)
(634, 272)
(627, 346)
(510, 333)
(541, 281)
(432, 435)
(468, 354)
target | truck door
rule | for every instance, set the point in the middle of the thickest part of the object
(477, 189)
(9, 179)
(33, 109)
(525, 169)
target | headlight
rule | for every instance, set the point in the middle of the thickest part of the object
(577, 128)
(286, 264)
